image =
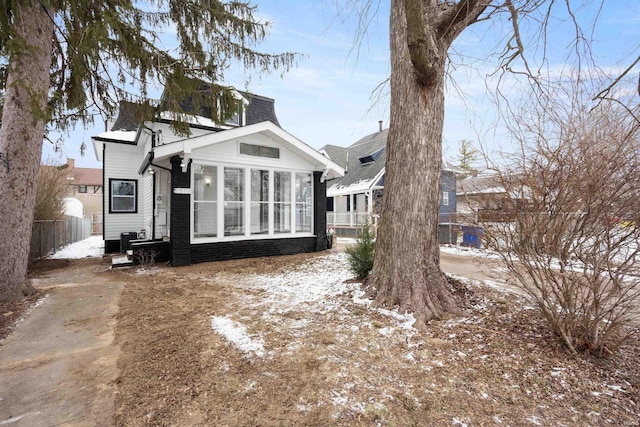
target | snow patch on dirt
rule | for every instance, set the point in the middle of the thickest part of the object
(236, 334)
(92, 247)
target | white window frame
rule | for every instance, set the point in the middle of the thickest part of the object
(445, 198)
(247, 204)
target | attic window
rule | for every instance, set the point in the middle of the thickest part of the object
(370, 158)
(259, 151)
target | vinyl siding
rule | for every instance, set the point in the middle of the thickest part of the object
(121, 161)
(228, 152)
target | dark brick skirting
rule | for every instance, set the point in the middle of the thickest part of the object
(251, 249)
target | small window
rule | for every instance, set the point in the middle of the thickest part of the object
(82, 189)
(233, 121)
(123, 198)
(445, 198)
(259, 151)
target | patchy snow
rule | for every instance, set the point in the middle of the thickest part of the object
(314, 282)
(236, 334)
(468, 251)
(91, 247)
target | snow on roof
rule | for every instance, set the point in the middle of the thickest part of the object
(191, 119)
(356, 187)
(118, 135)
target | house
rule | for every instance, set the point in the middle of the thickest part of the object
(85, 184)
(483, 198)
(244, 188)
(83, 192)
(355, 198)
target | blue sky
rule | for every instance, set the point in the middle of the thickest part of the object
(329, 97)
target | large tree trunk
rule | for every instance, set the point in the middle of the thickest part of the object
(406, 270)
(21, 136)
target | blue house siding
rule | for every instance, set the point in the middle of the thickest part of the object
(448, 185)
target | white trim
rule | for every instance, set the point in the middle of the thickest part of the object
(266, 128)
(220, 237)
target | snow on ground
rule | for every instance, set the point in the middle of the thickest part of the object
(313, 283)
(236, 334)
(468, 251)
(91, 247)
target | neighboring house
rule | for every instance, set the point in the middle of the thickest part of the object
(355, 198)
(482, 198)
(85, 184)
(242, 189)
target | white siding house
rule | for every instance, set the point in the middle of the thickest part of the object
(233, 191)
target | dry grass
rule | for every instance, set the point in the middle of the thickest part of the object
(337, 362)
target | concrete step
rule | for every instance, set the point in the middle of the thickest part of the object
(122, 261)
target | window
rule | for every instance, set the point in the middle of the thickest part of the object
(233, 201)
(123, 196)
(303, 202)
(244, 202)
(445, 198)
(205, 201)
(259, 151)
(82, 189)
(282, 202)
(259, 201)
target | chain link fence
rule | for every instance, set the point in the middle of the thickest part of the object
(49, 236)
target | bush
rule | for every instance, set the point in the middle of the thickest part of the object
(572, 244)
(360, 256)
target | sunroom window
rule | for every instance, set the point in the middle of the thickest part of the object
(259, 201)
(244, 202)
(233, 201)
(303, 202)
(282, 202)
(205, 202)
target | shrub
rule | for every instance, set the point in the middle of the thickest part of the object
(360, 256)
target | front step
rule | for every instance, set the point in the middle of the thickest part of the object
(121, 261)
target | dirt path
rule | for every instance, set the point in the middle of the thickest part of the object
(58, 366)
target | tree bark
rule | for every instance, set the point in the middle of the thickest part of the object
(21, 136)
(406, 270)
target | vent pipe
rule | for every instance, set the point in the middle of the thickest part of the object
(380, 125)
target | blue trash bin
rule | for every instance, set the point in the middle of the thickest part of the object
(471, 236)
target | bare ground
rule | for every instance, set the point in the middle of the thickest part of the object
(338, 362)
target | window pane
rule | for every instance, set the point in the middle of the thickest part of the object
(259, 186)
(123, 196)
(303, 187)
(282, 217)
(282, 186)
(205, 219)
(259, 150)
(233, 218)
(205, 180)
(123, 204)
(123, 188)
(233, 184)
(303, 217)
(259, 218)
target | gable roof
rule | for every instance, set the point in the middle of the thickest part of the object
(359, 175)
(480, 184)
(186, 146)
(364, 163)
